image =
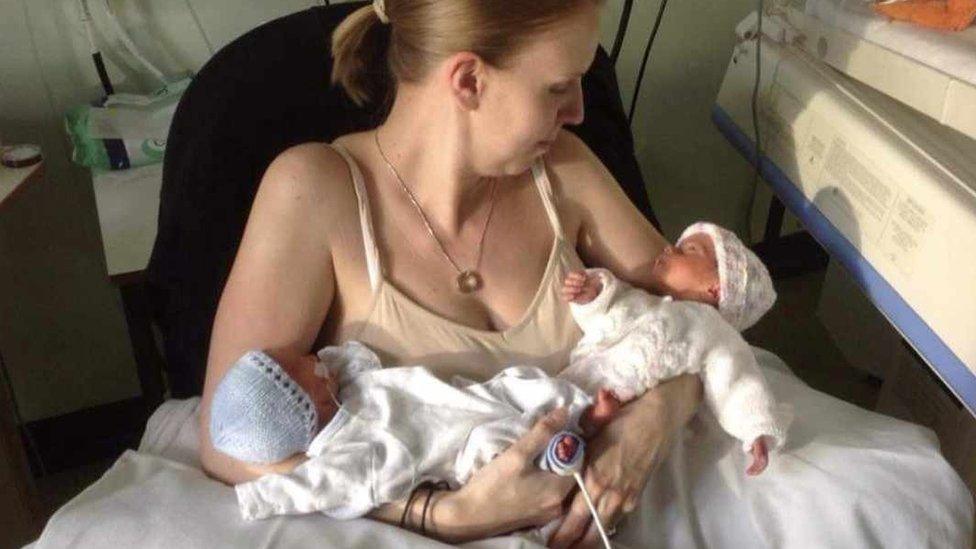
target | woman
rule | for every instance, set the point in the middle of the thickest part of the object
(441, 238)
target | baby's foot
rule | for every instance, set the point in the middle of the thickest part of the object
(760, 457)
(566, 448)
(581, 288)
(600, 413)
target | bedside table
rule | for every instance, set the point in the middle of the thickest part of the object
(21, 518)
(13, 180)
(127, 202)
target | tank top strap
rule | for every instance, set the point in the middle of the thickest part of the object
(541, 178)
(373, 265)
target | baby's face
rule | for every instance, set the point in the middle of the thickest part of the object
(325, 395)
(324, 391)
(688, 271)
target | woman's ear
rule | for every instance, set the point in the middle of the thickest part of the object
(467, 77)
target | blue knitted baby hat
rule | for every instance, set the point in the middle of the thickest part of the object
(259, 414)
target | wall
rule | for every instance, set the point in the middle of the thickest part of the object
(692, 173)
(64, 336)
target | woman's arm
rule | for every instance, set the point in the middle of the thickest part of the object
(612, 233)
(510, 493)
(281, 285)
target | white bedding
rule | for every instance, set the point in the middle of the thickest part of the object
(953, 53)
(847, 478)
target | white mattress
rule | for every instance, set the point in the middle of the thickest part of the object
(953, 53)
(933, 72)
(847, 478)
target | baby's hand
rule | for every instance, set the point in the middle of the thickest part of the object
(760, 457)
(580, 288)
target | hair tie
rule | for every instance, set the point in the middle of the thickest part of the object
(379, 6)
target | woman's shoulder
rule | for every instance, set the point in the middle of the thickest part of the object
(579, 180)
(573, 168)
(312, 166)
(307, 178)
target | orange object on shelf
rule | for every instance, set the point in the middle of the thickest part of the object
(953, 15)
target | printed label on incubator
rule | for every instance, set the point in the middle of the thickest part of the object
(858, 186)
(785, 125)
(779, 114)
(865, 189)
(814, 151)
(901, 238)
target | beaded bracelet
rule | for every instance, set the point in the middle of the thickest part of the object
(406, 508)
(439, 485)
(431, 487)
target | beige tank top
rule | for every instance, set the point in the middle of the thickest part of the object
(402, 332)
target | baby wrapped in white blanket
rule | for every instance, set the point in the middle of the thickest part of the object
(398, 427)
(633, 340)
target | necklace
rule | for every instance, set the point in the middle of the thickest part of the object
(468, 280)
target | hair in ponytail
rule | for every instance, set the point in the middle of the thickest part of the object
(359, 50)
(370, 57)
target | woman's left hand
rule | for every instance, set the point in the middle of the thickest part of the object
(622, 456)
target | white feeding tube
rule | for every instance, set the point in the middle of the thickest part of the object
(596, 517)
(130, 45)
(86, 22)
(550, 460)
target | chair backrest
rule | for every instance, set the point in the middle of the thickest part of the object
(266, 91)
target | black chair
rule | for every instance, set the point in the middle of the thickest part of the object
(266, 91)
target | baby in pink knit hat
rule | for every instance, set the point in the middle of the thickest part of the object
(711, 287)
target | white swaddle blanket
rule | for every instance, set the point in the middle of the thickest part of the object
(848, 477)
(398, 427)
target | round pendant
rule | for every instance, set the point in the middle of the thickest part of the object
(469, 281)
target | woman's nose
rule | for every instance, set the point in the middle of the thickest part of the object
(573, 111)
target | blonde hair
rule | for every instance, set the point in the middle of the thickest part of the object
(370, 57)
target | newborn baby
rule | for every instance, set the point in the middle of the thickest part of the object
(713, 286)
(372, 434)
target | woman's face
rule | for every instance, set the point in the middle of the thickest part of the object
(524, 104)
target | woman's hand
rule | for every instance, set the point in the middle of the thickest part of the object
(510, 493)
(623, 455)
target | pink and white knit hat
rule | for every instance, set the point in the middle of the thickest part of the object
(745, 288)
